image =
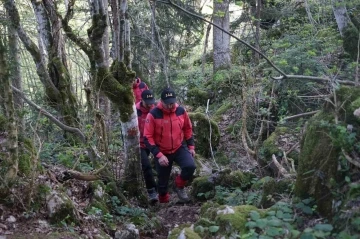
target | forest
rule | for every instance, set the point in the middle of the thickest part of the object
(271, 88)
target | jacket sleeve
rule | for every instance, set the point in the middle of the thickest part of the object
(188, 133)
(149, 131)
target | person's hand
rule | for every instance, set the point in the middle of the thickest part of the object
(163, 161)
(192, 152)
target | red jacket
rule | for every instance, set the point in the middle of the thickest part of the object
(142, 112)
(165, 130)
(138, 88)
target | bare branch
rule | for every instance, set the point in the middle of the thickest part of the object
(301, 115)
(351, 160)
(52, 118)
(282, 171)
(217, 26)
(314, 78)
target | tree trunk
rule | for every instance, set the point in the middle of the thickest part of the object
(12, 142)
(203, 58)
(117, 86)
(258, 20)
(15, 76)
(55, 77)
(341, 16)
(221, 40)
(153, 39)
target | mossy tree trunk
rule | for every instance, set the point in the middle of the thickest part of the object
(54, 75)
(12, 142)
(15, 75)
(116, 84)
(221, 40)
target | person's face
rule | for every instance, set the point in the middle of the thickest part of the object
(147, 106)
(168, 106)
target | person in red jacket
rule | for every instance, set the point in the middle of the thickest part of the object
(143, 107)
(166, 127)
(138, 88)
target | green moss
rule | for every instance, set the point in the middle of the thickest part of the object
(348, 98)
(221, 158)
(234, 128)
(200, 109)
(203, 186)
(223, 108)
(26, 156)
(201, 129)
(272, 191)
(205, 222)
(197, 97)
(260, 183)
(269, 146)
(65, 214)
(317, 167)
(234, 179)
(230, 223)
(209, 209)
(189, 234)
(3, 123)
(350, 42)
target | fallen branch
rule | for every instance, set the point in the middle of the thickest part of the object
(81, 176)
(292, 148)
(52, 118)
(314, 78)
(281, 170)
(301, 115)
(350, 159)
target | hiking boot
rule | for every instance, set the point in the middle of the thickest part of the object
(152, 194)
(182, 195)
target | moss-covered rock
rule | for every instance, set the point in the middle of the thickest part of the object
(317, 165)
(203, 188)
(221, 110)
(221, 158)
(187, 233)
(208, 210)
(99, 197)
(270, 145)
(259, 184)
(321, 148)
(60, 208)
(201, 129)
(272, 191)
(235, 222)
(351, 39)
(197, 97)
(349, 99)
(235, 179)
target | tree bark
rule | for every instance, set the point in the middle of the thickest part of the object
(341, 16)
(221, 40)
(55, 77)
(117, 86)
(12, 142)
(15, 75)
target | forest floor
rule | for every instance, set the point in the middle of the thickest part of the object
(16, 225)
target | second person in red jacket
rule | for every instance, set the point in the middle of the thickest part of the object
(166, 127)
(143, 107)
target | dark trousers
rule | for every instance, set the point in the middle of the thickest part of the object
(147, 169)
(181, 157)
